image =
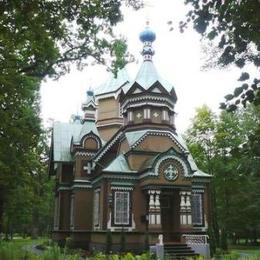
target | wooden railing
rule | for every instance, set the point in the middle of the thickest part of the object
(195, 239)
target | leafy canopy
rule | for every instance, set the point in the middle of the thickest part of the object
(226, 146)
(234, 27)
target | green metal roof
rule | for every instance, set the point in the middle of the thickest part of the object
(200, 173)
(119, 164)
(148, 164)
(134, 136)
(147, 76)
(87, 127)
(113, 84)
(62, 134)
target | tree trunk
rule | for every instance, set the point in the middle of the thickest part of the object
(214, 215)
(1, 208)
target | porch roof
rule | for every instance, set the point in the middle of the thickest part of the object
(119, 164)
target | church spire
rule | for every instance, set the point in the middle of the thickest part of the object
(147, 37)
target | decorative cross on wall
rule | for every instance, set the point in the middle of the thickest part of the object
(155, 114)
(139, 115)
(171, 173)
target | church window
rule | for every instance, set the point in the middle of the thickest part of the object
(90, 144)
(197, 211)
(96, 208)
(121, 208)
(72, 199)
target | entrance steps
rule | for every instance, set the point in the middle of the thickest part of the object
(178, 251)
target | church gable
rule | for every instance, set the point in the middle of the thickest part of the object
(158, 88)
(172, 164)
(159, 141)
(169, 168)
(135, 89)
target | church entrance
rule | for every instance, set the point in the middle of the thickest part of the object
(170, 216)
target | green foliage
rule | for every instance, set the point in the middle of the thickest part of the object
(99, 256)
(56, 253)
(221, 146)
(14, 251)
(129, 256)
(9, 251)
(41, 39)
(233, 26)
(126, 256)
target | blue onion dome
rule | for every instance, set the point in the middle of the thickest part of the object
(90, 93)
(147, 35)
(77, 117)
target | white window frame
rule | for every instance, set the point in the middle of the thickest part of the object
(197, 209)
(119, 220)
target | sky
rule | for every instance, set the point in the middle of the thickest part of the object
(178, 58)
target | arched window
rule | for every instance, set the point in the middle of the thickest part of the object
(91, 144)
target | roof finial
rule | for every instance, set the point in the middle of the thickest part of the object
(147, 37)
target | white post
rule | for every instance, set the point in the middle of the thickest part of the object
(158, 207)
(188, 206)
(154, 207)
(183, 220)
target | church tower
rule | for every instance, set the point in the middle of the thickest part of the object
(148, 99)
(124, 168)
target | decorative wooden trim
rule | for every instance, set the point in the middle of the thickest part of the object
(114, 177)
(185, 168)
(107, 147)
(159, 133)
(81, 153)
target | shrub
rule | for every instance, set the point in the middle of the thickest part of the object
(128, 256)
(9, 251)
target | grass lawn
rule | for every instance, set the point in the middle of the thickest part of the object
(246, 249)
(243, 253)
(14, 249)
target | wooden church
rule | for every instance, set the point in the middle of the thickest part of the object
(123, 167)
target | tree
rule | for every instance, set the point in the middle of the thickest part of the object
(28, 200)
(235, 168)
(234, 27)
(38, 39)
(201, 142)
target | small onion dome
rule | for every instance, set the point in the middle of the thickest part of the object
(147, 35)
(90, 93)
(77, 117)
